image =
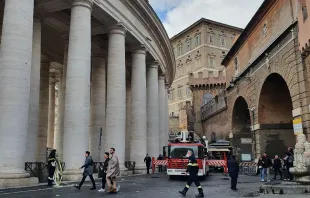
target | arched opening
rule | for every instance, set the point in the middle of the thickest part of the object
(241, 128)
(275, 116)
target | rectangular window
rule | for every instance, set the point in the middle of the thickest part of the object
(211, 61)
(236, 63)
(198, 36)
(180, 49)
(188, 44)
(180, 93)
(304, 12)
(188, 91)
(223, 41)
(211, 38)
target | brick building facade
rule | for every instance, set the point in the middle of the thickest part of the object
(266, 84)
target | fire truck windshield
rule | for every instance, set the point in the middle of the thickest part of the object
(181, 151)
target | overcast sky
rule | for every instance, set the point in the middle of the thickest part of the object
(177, 15)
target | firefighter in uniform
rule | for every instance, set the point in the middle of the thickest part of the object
(192, 169)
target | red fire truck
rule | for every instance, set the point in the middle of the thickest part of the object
(177, 150)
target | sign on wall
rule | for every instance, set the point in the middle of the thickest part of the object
(246, 140)
(297, 125)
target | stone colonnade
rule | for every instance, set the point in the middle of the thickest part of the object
(92, 94)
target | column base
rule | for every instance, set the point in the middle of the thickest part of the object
(72, 175)
(17, 180)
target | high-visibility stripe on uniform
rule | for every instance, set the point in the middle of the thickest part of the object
(192, 164)
(187, 186)
(199, 187)
(51, 159)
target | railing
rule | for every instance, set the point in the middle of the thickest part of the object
(39, 170)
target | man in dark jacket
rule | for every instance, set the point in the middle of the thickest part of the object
(277, 165)
(192, 169)
(233, 170)
(160, 167)
(51, 162)
(104, 169)
(266, 165)
(147, 161)
(88, 171)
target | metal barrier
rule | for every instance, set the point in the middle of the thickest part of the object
(39, 170)
(131, 165)
(249, 169)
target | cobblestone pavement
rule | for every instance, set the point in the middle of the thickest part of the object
(159, 186)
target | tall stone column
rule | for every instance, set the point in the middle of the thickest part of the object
(152, 110)
(167, 116)
(128, 121)
(34, 96)
(97, 105)
(116, 92)
(59, 128)
(77, 97)
(15, 70)
(43, 111)
(138, 135)
(51, 114)
(162, 112)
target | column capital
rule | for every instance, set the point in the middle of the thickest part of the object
(154, 64)
(119, 28)
(140, 50)
(85, 3)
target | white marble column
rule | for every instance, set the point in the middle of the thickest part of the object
(33, 114)
(59, 127)
(167, 115)
(15, 70)
(152, 110)
(43, 111)
(138, 135)
(77, 97)
(51, 114)
(116, 93)
(128, 121)
(97, 107)
(162, 112)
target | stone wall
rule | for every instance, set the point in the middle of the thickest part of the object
(174, 124)
(218, 124)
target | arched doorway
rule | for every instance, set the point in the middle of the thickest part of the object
(275, 117)
(241, 128)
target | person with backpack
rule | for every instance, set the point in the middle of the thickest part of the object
(88, 171)
(289, 161)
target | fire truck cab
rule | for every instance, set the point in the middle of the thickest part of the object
(177, 150)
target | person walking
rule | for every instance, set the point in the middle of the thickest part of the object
(160, 167)
(112, 172)
(277, 165)
(88, 171)
(104, 169)
(51, 165)
(147, 161)
(288, 162)
(192, 169)
(266, 165)
(233, 169)
(261, 169)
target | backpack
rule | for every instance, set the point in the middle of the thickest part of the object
(290, 159)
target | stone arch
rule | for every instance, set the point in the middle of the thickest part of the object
(241, 126)
(275, 116)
